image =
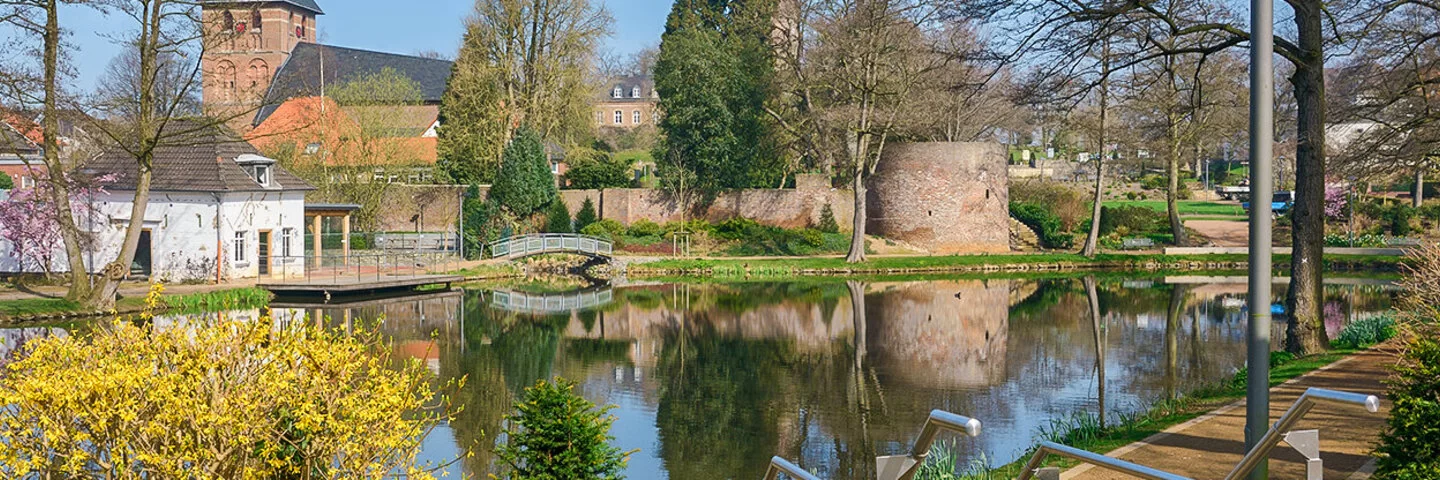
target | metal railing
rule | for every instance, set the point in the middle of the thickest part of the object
(780, 465)
(550, 303)
(526, 245)
(312, 269)
(904, 467)
(1257, 455)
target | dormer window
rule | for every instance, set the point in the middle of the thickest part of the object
(617, 93)
(258, 167)
(635, 92)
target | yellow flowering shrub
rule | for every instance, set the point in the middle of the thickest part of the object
(220, 399)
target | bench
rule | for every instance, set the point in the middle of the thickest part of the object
(1137, 242)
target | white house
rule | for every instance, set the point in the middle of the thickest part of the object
(217, 210)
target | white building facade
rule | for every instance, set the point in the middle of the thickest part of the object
(217, 211)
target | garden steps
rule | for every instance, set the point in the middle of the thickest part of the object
(1208, 447)
(1022, 238)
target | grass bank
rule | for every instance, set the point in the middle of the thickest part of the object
(33, 309)
(722, 267)
(1186, 207)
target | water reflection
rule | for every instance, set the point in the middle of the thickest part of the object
(711, 380)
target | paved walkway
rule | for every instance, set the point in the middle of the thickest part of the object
(1223, 233)
(1210, 446)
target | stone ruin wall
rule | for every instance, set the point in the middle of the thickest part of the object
(943, 197)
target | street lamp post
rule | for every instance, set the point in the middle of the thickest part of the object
(1262, 145)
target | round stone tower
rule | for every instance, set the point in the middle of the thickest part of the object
(943, 197)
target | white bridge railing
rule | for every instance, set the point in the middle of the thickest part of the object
(550, 303)
(526, 245)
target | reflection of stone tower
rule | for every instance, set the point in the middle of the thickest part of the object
(941, 334)
(246, 40)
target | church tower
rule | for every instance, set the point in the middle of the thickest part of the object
(246, 40)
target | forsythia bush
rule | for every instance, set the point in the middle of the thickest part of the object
(223, 399)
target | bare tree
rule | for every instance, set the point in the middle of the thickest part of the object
(40, 20)
(168, 41)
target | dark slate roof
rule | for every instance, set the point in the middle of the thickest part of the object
(299, 76)
(195, 158)
(627, 89)
(304, 4)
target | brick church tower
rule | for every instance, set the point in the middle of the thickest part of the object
(247, 41)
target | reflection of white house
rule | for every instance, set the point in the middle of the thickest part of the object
(217, 210)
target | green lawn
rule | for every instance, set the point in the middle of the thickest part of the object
(633, 156)
(1187, 207)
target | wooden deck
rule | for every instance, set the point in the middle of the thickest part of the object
(351, 285)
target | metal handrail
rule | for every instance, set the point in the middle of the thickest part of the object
(522, 245)
(1110, 463)
(906, 466)
(1312, 396)
(1261, 451)
(780, 465)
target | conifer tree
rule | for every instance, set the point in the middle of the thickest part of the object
(524, 184)
(714, 74)
(586, 215)
(558, 218)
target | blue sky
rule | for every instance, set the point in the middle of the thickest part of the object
(384, 25)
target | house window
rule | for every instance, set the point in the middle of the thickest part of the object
(262, 175)
(239, 247)
(27, 181)
(600, 117)
(619, 117)
(635, 117)
(255, 20)
(635, 92)
(228, 22)
(287, 235)
(617, 93)
(554, 167)
(312, 148)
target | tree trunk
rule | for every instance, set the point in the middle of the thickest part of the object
(55, 168)
(1305, 331)
(1172, 341)
(1092, 241)
(107, 285)
(1172, 191)
(857, 232)
(857, 307)
(1420, 187)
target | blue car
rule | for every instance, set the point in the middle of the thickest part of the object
(1280, 203)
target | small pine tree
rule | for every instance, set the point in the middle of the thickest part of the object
(586, 215)
(524, 184)
(5, 182)
(555, 433)
(827, 221)
(558, 218)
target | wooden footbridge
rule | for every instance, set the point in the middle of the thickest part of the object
(521, 246)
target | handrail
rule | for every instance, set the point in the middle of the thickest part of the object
(780, 465)
(1312, 396)
(1109, 463)
(909, 465)
(523, 245)
(1261, 451)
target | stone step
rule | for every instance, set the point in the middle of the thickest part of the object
(1022, 238)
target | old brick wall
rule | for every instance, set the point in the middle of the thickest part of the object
(791, 207)
(943, 197)
(433, 208)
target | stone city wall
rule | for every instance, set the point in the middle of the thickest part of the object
(787, 207)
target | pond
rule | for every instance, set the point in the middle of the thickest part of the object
(711, 379)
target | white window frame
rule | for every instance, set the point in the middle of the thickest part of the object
(287, 235)
(635, 117)
(239, 245)
(618, 93)
(554, 167)
(262, 175)
(600, 117)
(619, 117)
(635, 92)
(27, 181)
